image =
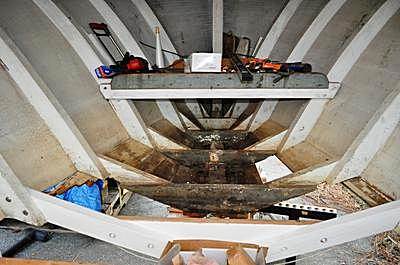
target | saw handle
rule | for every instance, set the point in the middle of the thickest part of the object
(100, 29)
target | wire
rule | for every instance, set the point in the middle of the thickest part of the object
(148, 45)
(138, 256)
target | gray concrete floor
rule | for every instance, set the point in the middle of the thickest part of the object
(80, 248)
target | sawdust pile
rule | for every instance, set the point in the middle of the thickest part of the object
(335, 196)
(385, 251)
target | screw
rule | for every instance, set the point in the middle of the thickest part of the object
(323, 240)
(112, 235)
(150, 245)
(8, 199)
(25, 212)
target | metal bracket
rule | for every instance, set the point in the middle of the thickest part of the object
(296, 211)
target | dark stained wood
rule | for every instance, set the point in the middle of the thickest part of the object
(198, 157)
(137, 155)
(218, 198)
(130, 152)
(370, 194)
(168, 130)
(231, 166)
(228, 138)
(162, 166)
(268, 129)
(184, 109)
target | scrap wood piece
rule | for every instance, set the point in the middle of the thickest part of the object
(119, 201)
(168, 256)
(77, 179)
(367, 192)
(235, 249)
(2, 215)
(195, 244)
(12, 261)
(238, 256)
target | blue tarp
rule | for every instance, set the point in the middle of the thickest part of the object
(84, 195)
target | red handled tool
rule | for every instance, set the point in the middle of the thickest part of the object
(129, 63)
(101, 30)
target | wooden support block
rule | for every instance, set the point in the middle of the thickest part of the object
(235, 251)
(118, 202)
(238, 256)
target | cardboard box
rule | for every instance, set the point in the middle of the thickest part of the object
(205, 62)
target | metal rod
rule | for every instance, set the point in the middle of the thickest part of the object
(257, 47)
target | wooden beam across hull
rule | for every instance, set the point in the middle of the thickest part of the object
(218, 198)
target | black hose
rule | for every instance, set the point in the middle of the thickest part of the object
(30, 236)
(148, 45)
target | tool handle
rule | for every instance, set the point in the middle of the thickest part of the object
(100, 29)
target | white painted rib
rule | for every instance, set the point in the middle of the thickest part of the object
(126, 115)
(168, 111)
(360, 42)
(118, 27)
(333, 232)
(217, 25)
(130, 44)
(313, 175)
(99, 225)
(151, 236)
(269, 143)
(165, 143)
(239, 107)
(49, 109)
(370, 140)
(15, 198)
(263, 113)
(153, 22)
(277, 28)
(243, 125)
(316, 27)
(71, 34)
(303, 125)
(135, 126)
(265, 49)
(189, 124)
